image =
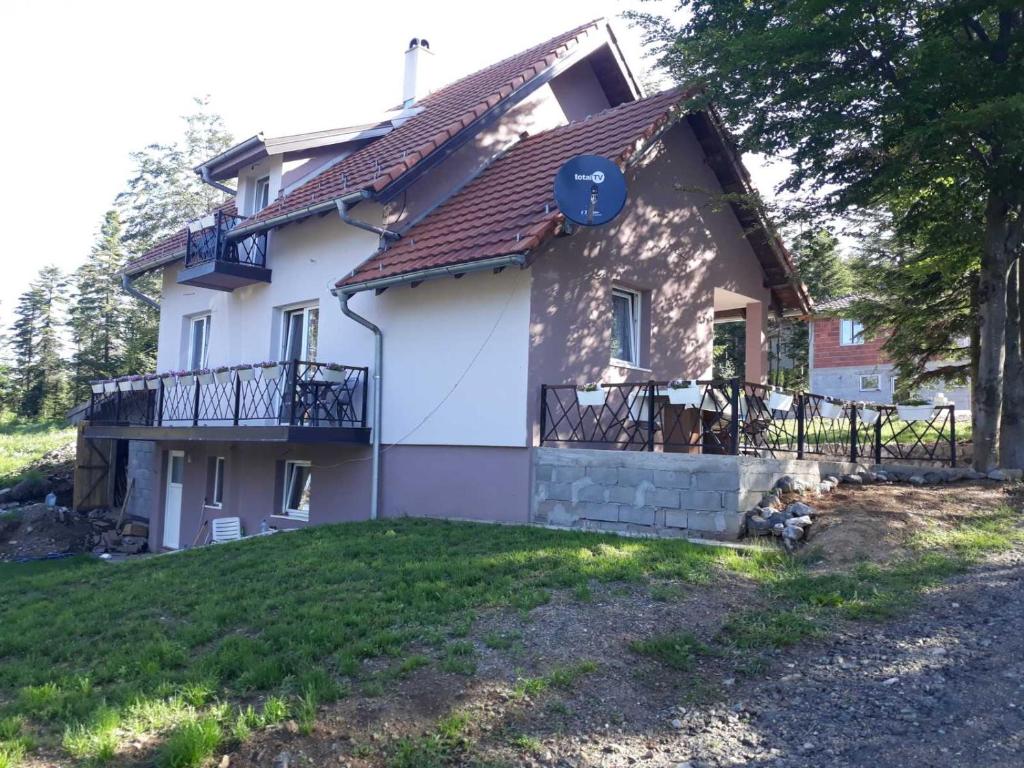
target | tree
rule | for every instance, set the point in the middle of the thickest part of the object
(100, 313)
(36, 344)
(901, 105)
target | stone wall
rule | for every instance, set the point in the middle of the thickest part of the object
(143, 467)
(657, 494)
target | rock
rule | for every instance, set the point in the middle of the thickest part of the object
(826, 487)
(798, 509)
(832, 479)
(973, 474)
(224, 762)
(777, 518)
(867, 476)
(793, 532)
(882, 477)
(891, 681)
(852, 479)
(110, 539)
(677, 724)
(785, 484)
(778, 528)
(1002, 475)
(132, 545)
(803, 521)
(758, 526)
(916, 480)
(5, 494)
(283, 760)
(934, 477)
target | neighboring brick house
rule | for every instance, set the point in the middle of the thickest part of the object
(845, 362)
(410, 284)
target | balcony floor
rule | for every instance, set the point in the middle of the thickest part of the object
(220, 275)
(232, 434)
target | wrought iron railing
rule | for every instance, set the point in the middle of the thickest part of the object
(773, 423)
(211, 243)
(294, 393)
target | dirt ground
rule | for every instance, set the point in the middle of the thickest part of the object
(941, 686)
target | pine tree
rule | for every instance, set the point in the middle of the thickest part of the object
(37, 346)
(100, 312)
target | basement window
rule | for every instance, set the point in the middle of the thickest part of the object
(870, 383)
(297, 483)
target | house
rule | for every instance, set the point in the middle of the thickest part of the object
(412, 286)
(845, 362)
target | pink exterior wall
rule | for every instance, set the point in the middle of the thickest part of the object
(675, 245)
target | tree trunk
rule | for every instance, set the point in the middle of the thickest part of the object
(987, 386)
(1011, 442)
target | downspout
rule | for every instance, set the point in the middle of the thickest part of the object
(131, 290)
(343, 209)
(375, 417)
(204, 174)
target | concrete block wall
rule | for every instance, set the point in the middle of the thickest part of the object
(144, 468)
(657, 494)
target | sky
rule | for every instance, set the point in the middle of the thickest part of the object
(85, 84)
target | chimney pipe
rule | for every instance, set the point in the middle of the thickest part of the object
(418, 66)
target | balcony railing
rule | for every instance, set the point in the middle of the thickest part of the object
(295, 393)
(210, 243)
(771, 423)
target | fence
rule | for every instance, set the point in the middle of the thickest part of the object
(698, 418)
(296, 393)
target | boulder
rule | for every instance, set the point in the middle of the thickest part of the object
(785, 484)
(832, 479)
(778, 528)
(882, 477)
(867, 476)
(934, 477)
(826, 487)
(798, 509)
(852, 479)
(758, 526)
(793, 532)
(973, 474)
(1002, 475)
(778, 518)
(916, 480)
(803, 521)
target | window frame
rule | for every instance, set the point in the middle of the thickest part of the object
(286, 316)
(219, 470)
(260, 184)
(285, 511)
(195, 320)
(856, 338)
(635, 313)
(878, 382)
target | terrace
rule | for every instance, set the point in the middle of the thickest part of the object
(291, 401)
(215, 260)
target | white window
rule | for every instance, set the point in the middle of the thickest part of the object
(892, 385)
(625, 326)
(299, 335)
(198, 342)
(850, 332)
(297, 482)
(217, 494)
(870, 383)
(261, 194)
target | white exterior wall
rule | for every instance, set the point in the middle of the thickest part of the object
(470, 334)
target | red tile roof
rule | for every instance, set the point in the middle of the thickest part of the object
(445, 113)
(510, 207)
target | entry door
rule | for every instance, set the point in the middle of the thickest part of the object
(172, 499)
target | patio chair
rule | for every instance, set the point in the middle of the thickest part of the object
(225, 529)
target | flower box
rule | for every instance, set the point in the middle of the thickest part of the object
(867, 416)
(124, 386)
(187, 380)
(780, 401)
(137, 385)
(109, 387)
(153, 382)
(830, 410)
(271, 372)
(246, 374)
(590, 397)
(170, 380)
(689, 395)
(205, 379)
(334, 375)
(97, 388)
(915, 412)
(222, 377)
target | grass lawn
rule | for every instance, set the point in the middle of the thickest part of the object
(192, 652)
(23, 443)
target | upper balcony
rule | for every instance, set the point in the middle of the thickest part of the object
(215, 261)
(294, 401)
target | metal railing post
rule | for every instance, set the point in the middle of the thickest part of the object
(293, 394)
(878, 439)
(952, 435)
(650, 415)
(800, 426)
(365, 378)
(117, 405)
(853, 431)
(238, 398)
(195, 404)
(160, 404)
(543, 412)
(92, 405)
(734, 425)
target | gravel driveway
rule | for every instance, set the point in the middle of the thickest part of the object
(943, 686)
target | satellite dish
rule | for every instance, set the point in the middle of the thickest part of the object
(590, 190)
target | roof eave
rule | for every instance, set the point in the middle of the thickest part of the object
(422, 275)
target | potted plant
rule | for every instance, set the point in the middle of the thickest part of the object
(683, 392)
(205, 376)
(222, 374)
(915, 410)
(828, 409)
(270, 370)
(590, 394)
(779, 400)
(867, 415)
(186, 378)
(333, 372)
(97, 387)
(245, 372)
(153, 381)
